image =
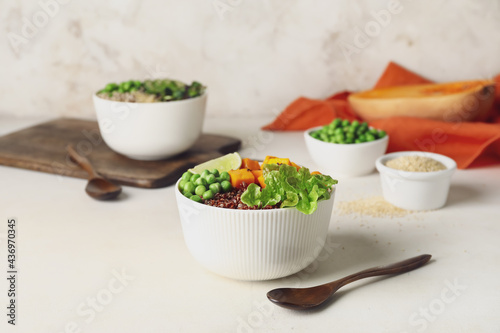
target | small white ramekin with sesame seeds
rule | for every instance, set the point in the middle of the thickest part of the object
(416, 190)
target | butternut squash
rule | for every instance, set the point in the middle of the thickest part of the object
(250, 164)
(452, 101)
(241, 176)
(259, 178)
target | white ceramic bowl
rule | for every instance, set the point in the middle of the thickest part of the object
(150, 131)
(416, 190)
(253, 244)
(345, 160)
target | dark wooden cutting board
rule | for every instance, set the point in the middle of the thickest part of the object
(43, 148)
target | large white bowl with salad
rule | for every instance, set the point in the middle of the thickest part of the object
(246, 232)
(152, 119)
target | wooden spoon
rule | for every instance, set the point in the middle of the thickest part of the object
(306, 298)
(97, 187)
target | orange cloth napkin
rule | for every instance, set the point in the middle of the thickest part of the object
(470, 144)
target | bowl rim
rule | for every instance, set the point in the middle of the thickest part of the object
(247, 211)
(449, 163)
(187, 100)
(361, 144)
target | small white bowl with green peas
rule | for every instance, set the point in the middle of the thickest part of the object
(346, 149)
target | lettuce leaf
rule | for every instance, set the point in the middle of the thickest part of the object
(292, 188)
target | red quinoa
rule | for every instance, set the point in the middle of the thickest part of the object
(232, 200)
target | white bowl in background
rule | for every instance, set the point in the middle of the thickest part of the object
(345, 160)
(253, 244)
(150, 131)
(416, 190)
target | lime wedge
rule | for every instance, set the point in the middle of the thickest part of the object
(227, 162)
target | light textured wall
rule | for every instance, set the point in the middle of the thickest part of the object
(255, 56)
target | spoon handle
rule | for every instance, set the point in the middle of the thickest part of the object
(81, 160)
(396, 268)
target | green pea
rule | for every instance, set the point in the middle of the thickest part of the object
(181, 184)
(208, 195)
(215, 172)
(189, 187)
(215, 188)
(205, 174)
(225, 176)
(127, 86)
(195, 176)
(360, 131)
(210, 179)
(195, 198)
(200, 181)
(110, 87)
(226, 185)
(369, 137)
(186, 176)
(200, 189)
(342, 131)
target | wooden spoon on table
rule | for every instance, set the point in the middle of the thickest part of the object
(306, 298)
(97, 187)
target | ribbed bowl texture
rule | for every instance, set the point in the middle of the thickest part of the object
(253, 244)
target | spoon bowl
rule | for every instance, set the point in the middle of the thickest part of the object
(97, 186)
(306, 298)
(102, 189)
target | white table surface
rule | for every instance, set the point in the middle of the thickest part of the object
(71, 249)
